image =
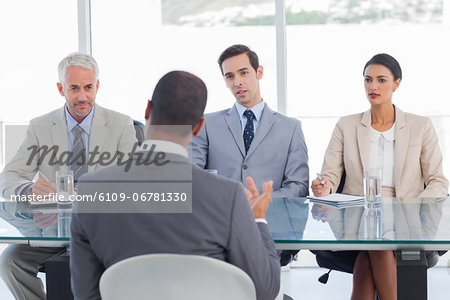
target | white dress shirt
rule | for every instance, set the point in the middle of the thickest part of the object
(382, 154)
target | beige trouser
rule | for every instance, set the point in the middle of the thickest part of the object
(19, 266)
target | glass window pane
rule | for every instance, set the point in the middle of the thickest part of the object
(329, 44)
(154, 37)
(36, 35)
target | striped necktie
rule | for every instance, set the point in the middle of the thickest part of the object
(78, 161)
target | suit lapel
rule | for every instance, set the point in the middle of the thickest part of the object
(363, 135)
(98, 133)
(58, 133)
(401, 144)
(265, 124)
(234, 125)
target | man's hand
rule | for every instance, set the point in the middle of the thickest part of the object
(44, 220)
(259, 203)
(43, 187)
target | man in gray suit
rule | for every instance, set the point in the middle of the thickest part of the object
(250, 139)
(215, 220)
(82, 128)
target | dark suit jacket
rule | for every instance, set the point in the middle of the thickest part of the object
(220, 226)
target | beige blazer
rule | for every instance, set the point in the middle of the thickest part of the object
(111, 132)
(418, 159)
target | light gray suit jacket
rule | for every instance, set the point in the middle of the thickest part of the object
(110, 132)
(278, 151)
(220, 226)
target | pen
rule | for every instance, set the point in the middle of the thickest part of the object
(321, 180)
(42, 175)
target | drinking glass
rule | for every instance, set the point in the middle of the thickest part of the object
(372, 188)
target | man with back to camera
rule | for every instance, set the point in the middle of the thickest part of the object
(220, 225)
(81, 127)
(250, 139)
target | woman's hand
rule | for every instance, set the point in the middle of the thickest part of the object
(321, 187)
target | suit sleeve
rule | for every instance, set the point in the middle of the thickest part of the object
(296, 174)
(127, 138)
(431, 163)
(251, 248)
(85, 268)
(22, 167)
(333, 162)
(199, 148)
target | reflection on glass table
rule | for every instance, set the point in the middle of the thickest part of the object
(41, 225)
(400, 223)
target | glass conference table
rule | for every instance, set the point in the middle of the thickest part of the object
(408, 225)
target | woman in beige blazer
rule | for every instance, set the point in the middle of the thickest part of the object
(404, 145)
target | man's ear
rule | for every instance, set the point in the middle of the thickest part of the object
(60, 88)
(148, 110)
(259, 72)
(97, 84)
(198, 127)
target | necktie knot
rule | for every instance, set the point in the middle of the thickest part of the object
(249, 114)
(77, 130)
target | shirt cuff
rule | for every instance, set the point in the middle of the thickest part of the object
(20, 189)
(261, 220)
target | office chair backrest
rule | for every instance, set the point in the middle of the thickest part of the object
(173, 277)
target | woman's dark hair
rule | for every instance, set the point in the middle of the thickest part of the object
(387, 61)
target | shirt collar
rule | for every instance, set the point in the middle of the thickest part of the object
(85, 124)
(389, 134)
(256, 109)
(164, 146)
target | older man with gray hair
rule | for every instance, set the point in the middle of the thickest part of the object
(81, 128)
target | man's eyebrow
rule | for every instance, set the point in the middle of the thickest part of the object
(240, 70)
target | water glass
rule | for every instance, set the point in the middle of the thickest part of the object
(372, 188)
(64, 186)
(64, 218)
(372, 224)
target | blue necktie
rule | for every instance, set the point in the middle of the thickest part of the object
(249, 132)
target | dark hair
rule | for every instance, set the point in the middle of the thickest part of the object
(179, 98)
(237, 50)
(387, 61)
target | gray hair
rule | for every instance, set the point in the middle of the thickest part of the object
(77, 59)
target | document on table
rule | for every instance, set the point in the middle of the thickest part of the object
(338, 200)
